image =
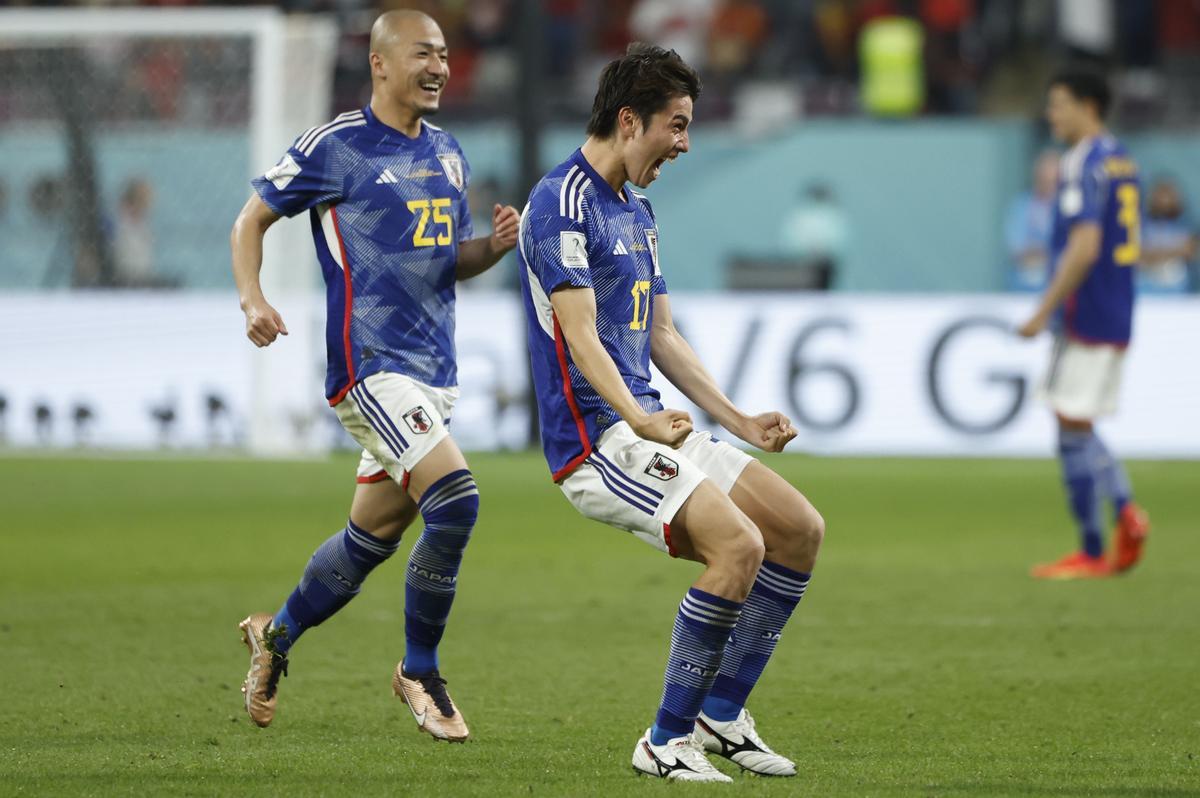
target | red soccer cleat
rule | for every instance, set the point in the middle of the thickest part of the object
(1133, 526)
(1073, 566)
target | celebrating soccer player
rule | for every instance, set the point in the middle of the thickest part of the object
(598, 313)
(387, 196)
(1089, 304)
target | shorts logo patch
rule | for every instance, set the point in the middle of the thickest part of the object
(663, 468)
(418, 420)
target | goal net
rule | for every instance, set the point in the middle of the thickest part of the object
(127, 140)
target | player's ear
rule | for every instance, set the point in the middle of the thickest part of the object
(377, 68)
(627, 122)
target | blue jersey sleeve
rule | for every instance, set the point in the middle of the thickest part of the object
(303, 178)
(558, 252)
(1082, 198)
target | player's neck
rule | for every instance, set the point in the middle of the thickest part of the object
(603, 156)
(1089, 131)
(401, 119)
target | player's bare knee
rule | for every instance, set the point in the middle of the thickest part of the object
(810, 529)
(745, 553)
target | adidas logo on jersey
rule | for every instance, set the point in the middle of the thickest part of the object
(620, 248)
(386, 177)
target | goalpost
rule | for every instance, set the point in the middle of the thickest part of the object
(106, 109)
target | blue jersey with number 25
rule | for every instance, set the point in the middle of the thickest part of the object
(387, 214)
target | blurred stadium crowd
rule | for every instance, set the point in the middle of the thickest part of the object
(970, 56)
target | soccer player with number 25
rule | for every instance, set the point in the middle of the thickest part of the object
(386, 194)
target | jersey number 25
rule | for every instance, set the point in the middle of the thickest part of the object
(437, 209)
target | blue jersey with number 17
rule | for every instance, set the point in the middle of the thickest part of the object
(1098, 184)
(578, 232)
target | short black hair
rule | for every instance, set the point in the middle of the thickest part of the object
(644, 79)
(1085, 84)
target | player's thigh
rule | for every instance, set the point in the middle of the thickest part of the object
(791, 528)
(383, 509)
(402, 424)
(710, 529)
(443, 459)
(643, 487)
(633, 484)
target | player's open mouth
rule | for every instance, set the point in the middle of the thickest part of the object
(432, 89)
(656, 169)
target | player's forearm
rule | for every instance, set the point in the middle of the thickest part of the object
(1073, 267)
(678, 362)
(246, 244)
(476, 256)
(598, 368)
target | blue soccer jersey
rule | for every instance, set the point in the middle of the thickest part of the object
(388, 213)
(576, 231)
(1098, 184)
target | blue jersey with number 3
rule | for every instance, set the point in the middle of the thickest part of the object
(577, 232)
(1098, 184)
(387, 213)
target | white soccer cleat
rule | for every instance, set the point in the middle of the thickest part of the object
(681, 759)
(737, 741)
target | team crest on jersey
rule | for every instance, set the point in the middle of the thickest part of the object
(453, 167)
(663, 468)
(652, 242)
(418, 420)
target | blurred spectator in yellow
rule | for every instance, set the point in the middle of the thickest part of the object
(1169, 243)
(1027, 227)
(890, 52)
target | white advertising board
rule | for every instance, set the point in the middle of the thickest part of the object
(860, 375)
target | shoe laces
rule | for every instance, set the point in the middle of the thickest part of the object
(690, 751)
(435, 687)
(744, 726)
(279, 667)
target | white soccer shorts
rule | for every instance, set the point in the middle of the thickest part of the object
(639, 485)
(1083, 380)
(397, 421)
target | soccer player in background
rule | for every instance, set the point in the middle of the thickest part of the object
(598, 313)
(386, 194)
(1089, 306)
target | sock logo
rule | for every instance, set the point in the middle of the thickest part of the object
(418, 420)
(663, 468)
(769, 635)
(698, 670)
(343, 580)
(431, 576)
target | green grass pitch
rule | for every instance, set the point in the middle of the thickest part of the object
(923, 660)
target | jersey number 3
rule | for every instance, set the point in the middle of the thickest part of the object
(1129, 217)
(641, 304)
(441, 219)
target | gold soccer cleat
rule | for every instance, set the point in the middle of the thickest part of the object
(430, 704)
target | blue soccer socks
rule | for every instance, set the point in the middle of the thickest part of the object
(776, 592)
(702, 628)
(1111, 478)
(1074, 448)
(333, 576)
(450, 507)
